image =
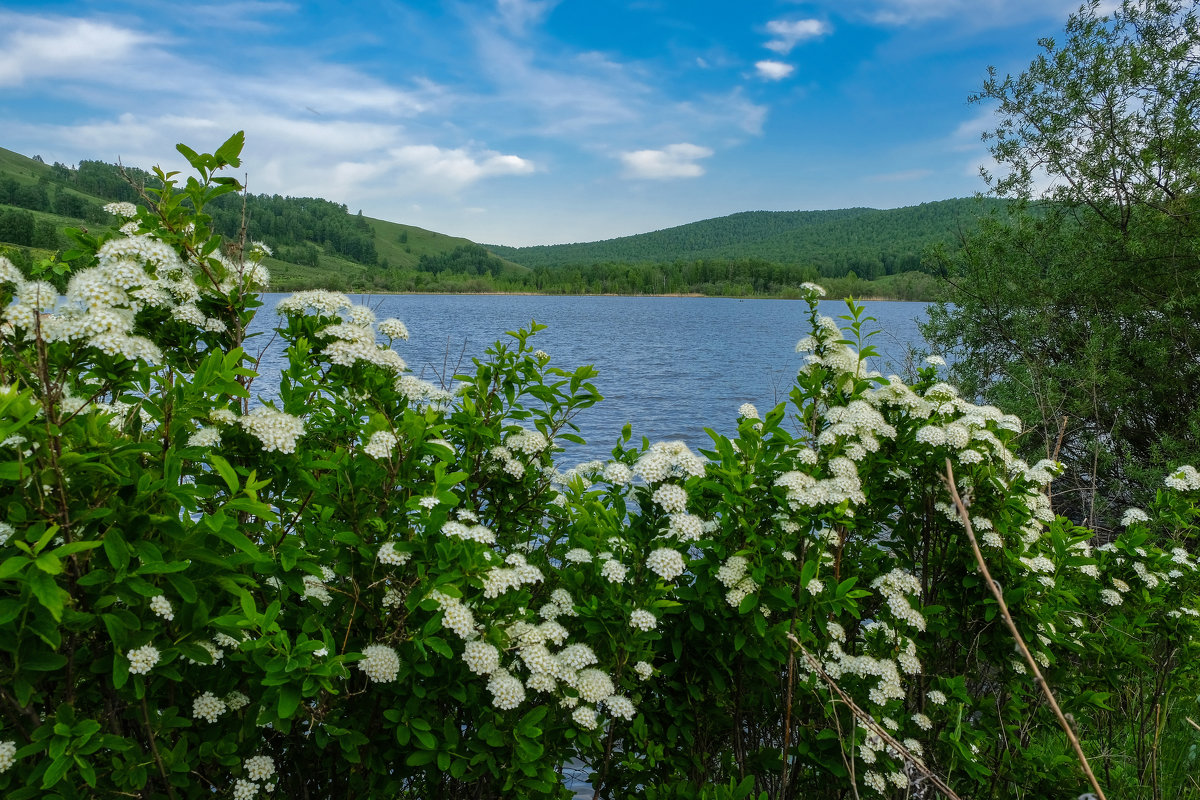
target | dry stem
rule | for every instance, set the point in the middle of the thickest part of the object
(870, 724)
(1012, 627)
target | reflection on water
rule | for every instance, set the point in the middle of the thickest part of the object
(670, 366)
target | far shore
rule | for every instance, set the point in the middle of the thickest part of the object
(684, 296)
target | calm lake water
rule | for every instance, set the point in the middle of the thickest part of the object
(669, 365)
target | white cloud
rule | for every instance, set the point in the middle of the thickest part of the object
(773, 70)
(787, 33)
(977, 13)
(456, 168)
(518, 15)
(673, 161)
(33, 47)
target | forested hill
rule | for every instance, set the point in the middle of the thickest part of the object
(869, 241)
(317, 242)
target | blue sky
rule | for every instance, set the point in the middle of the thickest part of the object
(529, 121)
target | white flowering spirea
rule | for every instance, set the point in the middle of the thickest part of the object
(380, 663)
(376, 571)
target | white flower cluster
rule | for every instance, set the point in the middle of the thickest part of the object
(143, 659)
(393, 329)
(672, 498)
(748, 411)
(1132, 516)
(805, 491)
(381, 445)
(517, 574)
(259, 768)
(160, 605)
(276, 430)
(354, 341)
(732, 575)
(507, 692)
(323, 302)
(472, 533)
(531, 443)
(455, 615)
(388, 554)
(481, 657)
(618, 474)
(380, 663)
(1184, 479)
(895, 587)
(666, 460)
(507, 463)
(215, 653)
(208, 707)
(668, 564)
(642, 620)
(613, 571)
(205, 436)
(122, 210)
(643, 669)
(685, 527)
(8, 755)
(315, 588)
(422, 392)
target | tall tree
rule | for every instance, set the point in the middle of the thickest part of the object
(1081, 307)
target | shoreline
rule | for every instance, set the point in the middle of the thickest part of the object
(679, 296)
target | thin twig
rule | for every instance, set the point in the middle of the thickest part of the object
(1193, 723)
(1012, 627)
(870, 724)
(162, 769)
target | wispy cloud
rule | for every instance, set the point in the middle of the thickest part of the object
(517, 15)
(773, 70)
(33, 47)
(673, 161)
(975, 13)
(786, 34)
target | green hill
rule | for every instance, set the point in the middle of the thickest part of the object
(867, 241)
(317, 243)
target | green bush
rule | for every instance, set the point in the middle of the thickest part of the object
(377, 587)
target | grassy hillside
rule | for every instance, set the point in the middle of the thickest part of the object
(311, 253)
(869, 241)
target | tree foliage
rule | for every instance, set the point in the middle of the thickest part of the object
(1081, 309)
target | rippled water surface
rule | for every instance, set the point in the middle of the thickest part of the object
(670, 366)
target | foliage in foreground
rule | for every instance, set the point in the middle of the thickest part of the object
(378, 588)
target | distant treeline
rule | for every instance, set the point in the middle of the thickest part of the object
(471, 269)
(868, 242)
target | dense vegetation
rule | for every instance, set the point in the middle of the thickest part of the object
(1084, 317)
(376, 587)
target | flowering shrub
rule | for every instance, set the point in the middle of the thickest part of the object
(378, 587)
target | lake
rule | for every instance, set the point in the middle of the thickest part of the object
(669, 365)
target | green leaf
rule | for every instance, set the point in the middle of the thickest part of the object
(229, 152)
(226, 472)
(48, 593)
(12, 565)
(289, 700)
(116, 549)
